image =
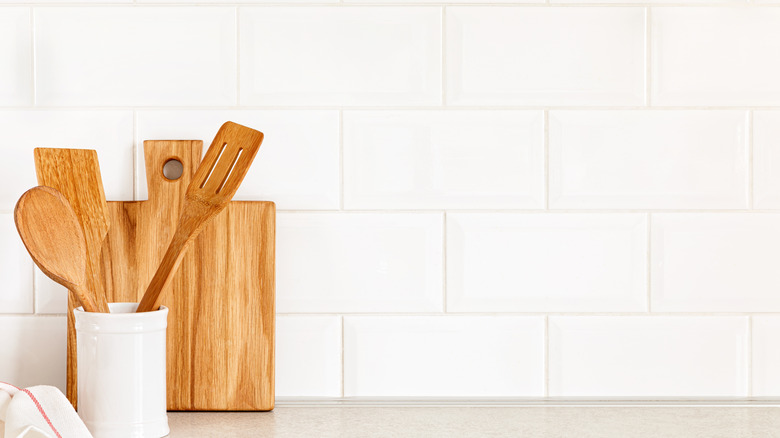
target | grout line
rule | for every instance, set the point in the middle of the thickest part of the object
(33, 65)
(648, 56)
(533, 402)
(444, 261)
(135, 156)
(546, 142)
(519, 211)
(534, 314)
(341, 160)
(649, 261)
(750, 357)
(444, 56)
(315, 107)
(750, 169)
(407, 211)
(509, 211)
(342, 356)
(368, 4)
(34, 289)
(546, 356)
(238, 58)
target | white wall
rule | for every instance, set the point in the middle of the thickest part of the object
(477, 200)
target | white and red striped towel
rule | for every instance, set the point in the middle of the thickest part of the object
(38, 412)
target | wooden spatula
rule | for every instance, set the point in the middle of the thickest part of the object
(75, 173)
(52, 235)
(215, 182)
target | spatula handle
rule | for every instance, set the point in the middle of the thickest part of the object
(193, 218)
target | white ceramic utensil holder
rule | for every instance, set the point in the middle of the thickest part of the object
(121, 371)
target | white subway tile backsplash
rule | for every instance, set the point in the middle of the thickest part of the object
(715, 56)
(418, 356)
(16, 57)
(33, 351)
(308, 356)
(766, 356)
(546, 262)
(625, 356)
(297, 165)
(135, 56)
(476, 199)
(109, 132)
(766, 159)
(343, 56)
(545, 56)
(360, 262)
(16, 270)
(443, 159)
(724, 262)
(649, 159)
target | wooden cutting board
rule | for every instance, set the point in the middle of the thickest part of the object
(221, 319)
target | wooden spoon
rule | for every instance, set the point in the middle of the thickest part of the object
(52, 235)
(211, 189)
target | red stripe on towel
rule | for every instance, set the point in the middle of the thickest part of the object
(40, 409)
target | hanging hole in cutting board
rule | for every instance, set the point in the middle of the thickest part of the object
(173, 169)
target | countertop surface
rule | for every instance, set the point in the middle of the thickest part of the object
(487, 421)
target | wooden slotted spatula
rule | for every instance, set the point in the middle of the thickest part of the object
(52, 235)
(212, 187)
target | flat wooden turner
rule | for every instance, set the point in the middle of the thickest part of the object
(76, 174)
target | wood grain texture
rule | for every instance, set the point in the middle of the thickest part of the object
(76, 174)
(52, 235)
(221, 299)
(211, 188)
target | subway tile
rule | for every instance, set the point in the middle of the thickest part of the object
(239, 2)
(545, 56)
(766, 159)
(443, 356)
(641, 356)
(109, 132)
(342, 56)
(359, 262)
(446, 1)
(766, 356)
(308, 356)
(16, 270)
(50, 297)
(135, 56)
(715, 56)
(649, 159)
(297, 165)
(651, 2)
(509, 262)
(724, 262)
(33, 350)
(443, 159)
(16, 77)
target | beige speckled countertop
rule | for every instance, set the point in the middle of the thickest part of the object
(487, 421)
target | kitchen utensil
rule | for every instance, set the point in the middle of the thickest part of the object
(52, 235)
(220, 300)
(122, 372)
(76, 174)
(215, 182)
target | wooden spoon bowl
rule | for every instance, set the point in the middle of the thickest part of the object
(52, 235)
